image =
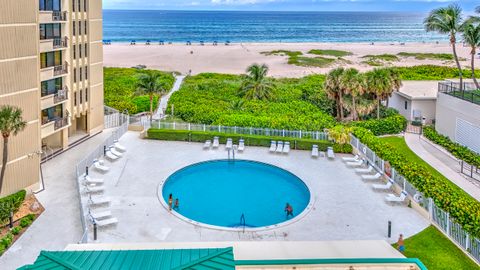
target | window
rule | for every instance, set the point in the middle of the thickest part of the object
(51, 87)
(75, 99)
(79, 28)
(86, 27)
(86, 49)
(50, 59)
(86, 94)
(79, 5)
(50, 5)
(74, 52)
(50, 31)
(406, 105)
(80, 50)
(86, 73)
(81, 74)
(52, 113)
(74, 28)
(75, 75)
(73, 6)
(81, 97)
(85, 5)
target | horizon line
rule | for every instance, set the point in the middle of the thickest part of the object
(285, 11)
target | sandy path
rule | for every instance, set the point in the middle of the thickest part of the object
(237, 57)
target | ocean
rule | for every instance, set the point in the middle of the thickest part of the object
(233, 26)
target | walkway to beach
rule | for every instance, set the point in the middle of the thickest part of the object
(443, 162)
(163, 103)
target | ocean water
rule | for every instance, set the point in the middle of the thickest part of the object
(219, 192)
(209, 26)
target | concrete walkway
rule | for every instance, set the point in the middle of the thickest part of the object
(443, 162)
(163, 103)
(60, 224)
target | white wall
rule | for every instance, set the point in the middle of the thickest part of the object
(398, 102)
(427, 107)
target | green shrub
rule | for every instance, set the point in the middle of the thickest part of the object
(16, 230)
(250, 140)
(7, 240)
(390, 125)
(2, 249)
(458, 150)
(25, 221)
(11, 203)
(336, 53)
(462, 207)
(431, 72)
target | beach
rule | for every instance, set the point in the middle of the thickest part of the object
(236, 57)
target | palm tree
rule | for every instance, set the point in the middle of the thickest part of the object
(378, 84)
(340, 134)
(447, 20)
(471, 36)
(11, 123)
(256, 84)
(351, 84)
(395, 81)
(333, 89)
(149, 83)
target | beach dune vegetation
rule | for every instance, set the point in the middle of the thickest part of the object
(335, 53)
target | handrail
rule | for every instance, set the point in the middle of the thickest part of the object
(452, 89)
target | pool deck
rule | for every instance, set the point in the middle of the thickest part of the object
(345, 207)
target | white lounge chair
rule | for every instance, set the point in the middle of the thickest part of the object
(330, 153)
(279, 147)
(100, 215)
(120, 147)
(96, 201)
(315, 151)
(369, 177)
(93, 181)
(111, 156)
(106, 222)
(386, 186)
(286, 148)
(273, 146)
(93, 189)
(355, 163)
(216, 142)
(241, 145)
(102, 168)
(229, 144)
(208, 144)
(392, 198)
(351, 159)
(115, 152)
(364, 171)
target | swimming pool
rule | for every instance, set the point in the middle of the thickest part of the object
(219, 192)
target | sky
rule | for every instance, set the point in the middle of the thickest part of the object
(288, 5)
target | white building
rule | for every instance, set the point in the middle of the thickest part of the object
(416, 100)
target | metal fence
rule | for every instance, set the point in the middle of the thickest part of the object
(437, 216)
(113, 118)
(317, 135)
(468, 93)
(82, 167)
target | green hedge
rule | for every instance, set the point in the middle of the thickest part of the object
(9, 203)
(251, 140)
(391, 125)
(462, 207)
(459, 151)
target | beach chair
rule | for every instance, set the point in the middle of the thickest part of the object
(229, 144)
(147, 42)
(106, 222)
(392, 198)
(133, 42)
(241, 145)
(386, 186)
(216, 142)
(227, 43)
(315, 151)
(286, 148)
(119, 147)
(350, 159)
(202, 43)
(111, 156)
(115, 152)
(93, 181)
(215, 43)
(364, 171)
(161, 42)
(97, 201)
(330, 153)
(273, 146)
(100, 167)
(189, 43)
(355, 163)
(93, 189)
(100, 215)
(375, 177)
(208, 144)
(279, 147)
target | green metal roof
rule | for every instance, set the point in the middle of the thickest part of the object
(198, 259)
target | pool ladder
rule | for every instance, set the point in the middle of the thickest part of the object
(243, 224)
(233, 153)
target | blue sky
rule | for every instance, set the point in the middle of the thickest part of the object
(287, 5)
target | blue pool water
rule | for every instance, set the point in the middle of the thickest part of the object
(219, 192)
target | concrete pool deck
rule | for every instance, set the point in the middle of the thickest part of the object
(345, 207)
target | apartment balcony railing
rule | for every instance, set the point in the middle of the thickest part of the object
(60, 42)
(468, 93)
(61, 95)
(59, 16)
(60, 123)
(60, 70)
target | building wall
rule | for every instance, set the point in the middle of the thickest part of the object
(449, 109)
(427, 107)
(20, 86)
(398, 102)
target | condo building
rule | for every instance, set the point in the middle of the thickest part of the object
(51, 63)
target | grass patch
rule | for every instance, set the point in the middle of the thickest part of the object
(283, 53)
(436, 251)
(401, 146)
(120, 87)
(311, 61)
(335, 53)
(382, 57)
(428, 56)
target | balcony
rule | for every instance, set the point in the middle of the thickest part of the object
(59, 16)
(59, 43)
(60, 70)
(60, 123)
(51, 100)
(50, 126)
(48, 73)
(49, 16)
(51, 44)
(468, 93)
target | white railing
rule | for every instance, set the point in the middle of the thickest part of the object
(82, 167)
(316, 135)
(114, 118)
(437, 216)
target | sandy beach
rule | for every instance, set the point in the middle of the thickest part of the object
(235, 58)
